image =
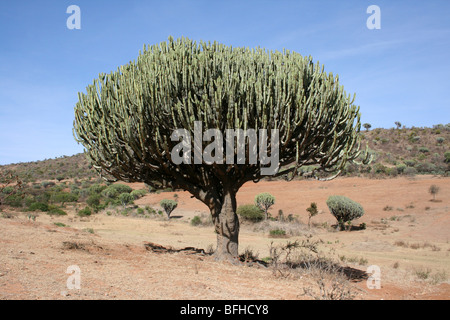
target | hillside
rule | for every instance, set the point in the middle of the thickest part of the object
(404, 151)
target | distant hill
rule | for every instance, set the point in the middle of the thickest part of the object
(404, 151)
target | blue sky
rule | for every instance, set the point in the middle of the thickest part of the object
(400, 72)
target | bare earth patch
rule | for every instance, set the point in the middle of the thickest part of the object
(409, 241)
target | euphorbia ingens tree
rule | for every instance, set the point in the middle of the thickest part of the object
(127, 118)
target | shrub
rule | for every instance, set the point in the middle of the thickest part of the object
(136, 194)
(46, 184)
(168, 206)
(277, 233)
(85, 212)
(264, 201)
(96, 188)
(401, 168)
(410, 171)
(196, 221)
(312, 211)
(447, 157)
(121, 188)
(440, 140)
(93, 200)
(434, 189)
(250, 212)
(125, 198)
(426, 167)
(110, 193)
(57, 212)
(344, 209)
(63, 197)
(38, 206)
(424, 150)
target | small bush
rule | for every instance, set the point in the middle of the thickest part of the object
(38, 206)
(344, 209)
(196, 221)
(125, 198)
(250, 212)
(168, 205)
(93, 200)
(57, 212)
(440, 140)
(121, 188)
(110, 193)
(85, 212)
(136, 194)
(447, 157)
(96, 188)
(277, 233)
(410, 171)
(424, 150)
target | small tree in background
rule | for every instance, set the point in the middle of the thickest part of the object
(312, 211)
(434, 189)
(367, 126)
(264, 201)
(344, 210)
(168, 205)
(398, 124)
(10, 185)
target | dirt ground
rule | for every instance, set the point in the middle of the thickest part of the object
(407, 238)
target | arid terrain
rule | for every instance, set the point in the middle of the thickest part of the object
(407, 237)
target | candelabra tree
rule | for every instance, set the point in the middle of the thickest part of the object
(126, 120)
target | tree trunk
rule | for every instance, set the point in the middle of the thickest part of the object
(226, 223)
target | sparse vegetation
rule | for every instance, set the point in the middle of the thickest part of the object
(168, 205)
(434, 189)
(264, 201)
(250, 212)
(344, 210)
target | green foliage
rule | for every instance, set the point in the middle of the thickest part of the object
(121, 188)
(168, 86)
(47, 184)
(250, 212)
(168, 205)
(93, 200)
(447, 157)
(63, 197)
(38, 206)
(312, 211)
(264, 201)
(344, 209)
(196, 220)
(85, 212)
(136, 194)
(277, 233)
(96, 188)
(440, 140)
(125, 198)
(57, 212)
